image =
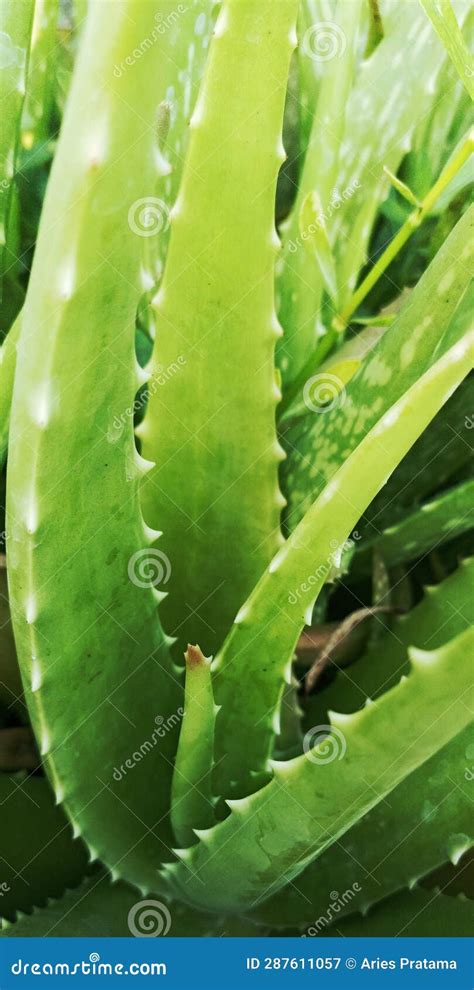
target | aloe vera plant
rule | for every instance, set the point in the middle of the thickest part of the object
(224, 421)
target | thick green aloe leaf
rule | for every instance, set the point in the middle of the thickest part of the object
(211, 326)
(82, 596)
(432, 524)
(191, 795)
(418, 914)
(426, 821)
(271, 836)
(260, 648)
(445, 611)
(425, 327)
(39, 857)
(16, 18)
(443, 19)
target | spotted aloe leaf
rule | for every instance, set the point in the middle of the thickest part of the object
(438, 133)
(398, 107)
(269, 623)
(432, 319)
(216, 301)
(389, 849)
(442, 518)
(310, 804)
(84, 613)
(443, 19)
(444, 449)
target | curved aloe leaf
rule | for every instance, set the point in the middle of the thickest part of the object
(216, 300)
(425, 328)
(271, 836)
(444, 612)
(260, 647)
(83, 610)
(39, 857)
(426, 821)
(432, 524)
(443, 449)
